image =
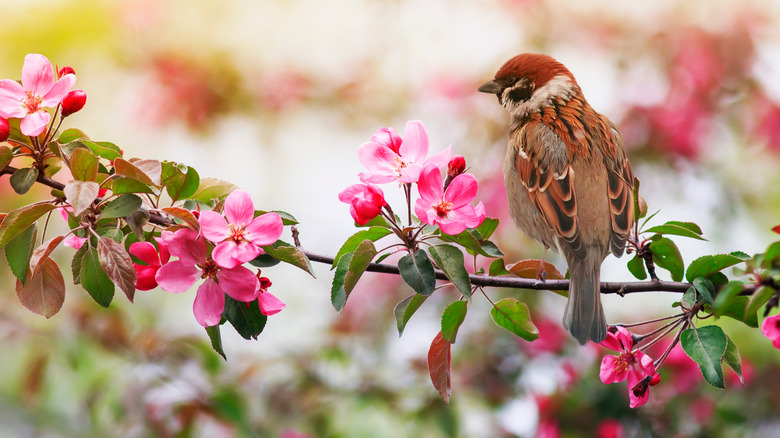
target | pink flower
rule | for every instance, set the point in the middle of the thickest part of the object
(153, 258)
(269, 304)
(5, 129)
(771, 329)
(73, 102)
(365, 201)
(609, 428)
(456, 166)
(241, 235)
(179, 275)
(74, 241)
(450, 209)
(37, 91)
(634, 366)
(387, 161)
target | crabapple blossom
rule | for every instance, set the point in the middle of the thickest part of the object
(240, 237)
(631, 365)
(154, 259)
(37, 91)
(365, 201)
(268, 303)
(771, 329)
(73, 102)
(387, 161)
(451, 209)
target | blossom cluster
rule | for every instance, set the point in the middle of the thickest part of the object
(215, 254)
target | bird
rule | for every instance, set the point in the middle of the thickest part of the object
(568, 180)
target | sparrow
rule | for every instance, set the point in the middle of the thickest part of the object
(568, 181)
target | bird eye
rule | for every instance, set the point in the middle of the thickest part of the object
(521, 92)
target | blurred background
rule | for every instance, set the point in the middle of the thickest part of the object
(275, 96)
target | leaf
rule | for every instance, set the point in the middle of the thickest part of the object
(474, 241)
(487, 227)
(373, 234)
(216, 340)
(361, 258)
(125, 168)
(405, 309)
(725, 296)
(760, 297)
(179, 181)
(514, 316)
(43, 251)
(530, 268)
(705, 288)
(289, 254)
(417, 271)
(23, 179)
(637, 268)
(6, 155)
(94, 279)
(666, 255)
(122, 206)
(70, 134)
(16, 221)
(497, 268)
(338, 296)
(733, 359)
(264, 261)
(104, 149)
(689, 298)
(706, 346)
(44, 291)
(150, 168)
(287, 218)
(18, 252)
(439, 366)
(118, 265)
(246, 318)
(125, 184)
(75, 264)
(83, 164)
(736, 309)
(451, 319)
(685, 229)
(706, 265)
(136, 222)
(81, 194)
(185, 215)
(210, 188)
(451, 261)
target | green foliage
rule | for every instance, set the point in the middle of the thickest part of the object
(452, 318)
(514, 316)
(23, 179)
(417, 271)
(19, 250)
(246, 318)
(666, 255)
(707, 346)
(450, 260)
(350, 245)
(405, 308)
(361, 258)
(94, 279)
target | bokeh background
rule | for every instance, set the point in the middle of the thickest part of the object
(276, 96)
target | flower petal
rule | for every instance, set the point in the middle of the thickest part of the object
(37, 74)
(771, 329)
(33, 124)
(440, 160)
(145, 277)
(74, 242)
(269, 304)
(610, 372)
(223, 254)
(209, 304)
(59, 91)
(146, 252)
(430, 185)
(239, 208)
(239, 282)
(462, 190)
(177, 276)
(11, 94)
(213, 226)
(265, 229)
(414, 147)
(424, 212)
(377, 159)
(449, 226)
(187, 246)
(410, 173)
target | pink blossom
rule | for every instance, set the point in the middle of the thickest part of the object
(74, 241)
(387, 161)
(609, 428)
(73, 102)
(450, 209)
(268, 303)
(771, 329)
(179, 275)
(365, 201)
(37, 91)
(153, 259)
(5, 129)
(241, 236)
(634, 366)
(456, 166)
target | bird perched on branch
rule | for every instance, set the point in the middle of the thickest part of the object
(568, 181)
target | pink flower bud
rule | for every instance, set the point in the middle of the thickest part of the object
(65, 71)
(366, 201)
(5, 129)
(456, 166)
(73, 102)
(265, 283)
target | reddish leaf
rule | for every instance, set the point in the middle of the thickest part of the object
(439, 366)
(151, 168)
(43, 251)
(81, 194)
(44, 292)
(18, 220)
(126, 168)
(530, 268)
(118, 265)
(776, 229)
(185, 215)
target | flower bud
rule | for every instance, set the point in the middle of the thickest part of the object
(456, 166)
(73, 102)
(65, 71)
(5, 129)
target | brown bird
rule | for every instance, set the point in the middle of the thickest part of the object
(568, 181)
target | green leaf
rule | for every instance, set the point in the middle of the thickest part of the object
(451, 319)
(94, 279)
(18, 252)
(706, 265)
(514, 316)
(637, 268)
(104, 149)
(733, 359)
(179, 181)
(81, 194)
(136, 222)
(264, 261)
(666, 255)
(6, 155)
(705, 288)
(124, 184)
(772, 256)
(440, 365)
(71, 134)
(16, 221)
(216, 340)
(487, 227)
(417, 271)
(210, 188)
(706, 346)
(361, 258)
(130, 170)
(287, 218)
(405, 309)
(83, 164)
(44, 292)
(289, 254)
(736, 309)
(118, 265)
(497, 268)
(246, 318)
(122, 206)
(451, 261)
(75, 264)
(725, 296)
(474, 241)
(338, 296)
(685, 229)
(689, 298)
(23, 179)
(760, 297)
(183, 215)
(373, 234)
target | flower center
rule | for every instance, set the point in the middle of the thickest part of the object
(32, 102)
(399, 165)
(209, 268)
(443, 208)
(624, 361)
(237, 233)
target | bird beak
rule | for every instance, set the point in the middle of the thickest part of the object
(491, 87)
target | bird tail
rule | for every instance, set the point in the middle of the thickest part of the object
(584, 316)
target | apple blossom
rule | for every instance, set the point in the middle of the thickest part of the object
(74, 241)
(240, 237)
(449, 209)
(73, 102)
(268, 303)
(37, 91)
(387, 161)
(631, 365)
(771, 329)
(365, 201)
(154, 259)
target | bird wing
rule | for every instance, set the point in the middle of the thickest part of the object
(620, 189)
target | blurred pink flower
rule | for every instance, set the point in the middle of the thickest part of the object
(548, 429)
(609, 428)
(633, 366)
(365, 201)
(37, 91)
(771, 329)
(683, 372)
(74, 241)
(241, 236)
(179, 275)
(385, 164)
(450, 209)
(154, 259)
